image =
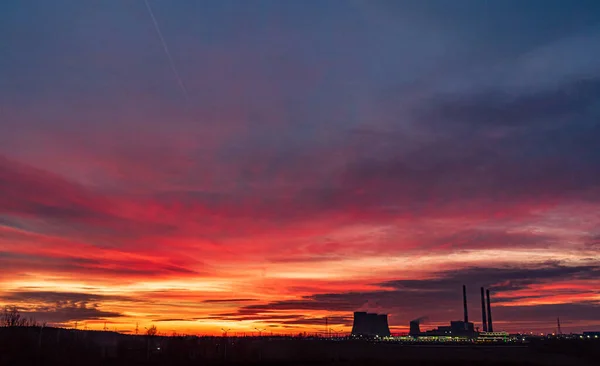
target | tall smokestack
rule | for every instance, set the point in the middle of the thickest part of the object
(489, 311)
(465, 304)
(483, 318)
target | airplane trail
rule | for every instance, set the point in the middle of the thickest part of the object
(167, 52)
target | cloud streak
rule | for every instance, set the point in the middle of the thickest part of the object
(167, 52)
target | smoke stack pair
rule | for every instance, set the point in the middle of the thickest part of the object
(487, 326)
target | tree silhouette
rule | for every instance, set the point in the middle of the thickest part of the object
(11, 317)
(152, 331)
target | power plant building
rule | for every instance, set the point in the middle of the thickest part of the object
(459, 328)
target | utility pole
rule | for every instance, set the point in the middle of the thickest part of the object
(327, 327)
(225, 344)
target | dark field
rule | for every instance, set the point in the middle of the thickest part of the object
(51, 346)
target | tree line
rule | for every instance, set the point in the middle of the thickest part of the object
(11, 317)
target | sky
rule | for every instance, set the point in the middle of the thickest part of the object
(277, 163)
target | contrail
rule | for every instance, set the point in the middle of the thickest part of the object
(166, 48)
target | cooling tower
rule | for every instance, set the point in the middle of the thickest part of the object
(415, 329)
(383, 329)
(360, 326)
(370, 324)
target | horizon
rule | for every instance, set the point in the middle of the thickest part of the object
(210, 165)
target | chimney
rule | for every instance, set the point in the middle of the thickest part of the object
(489, 311)
(483, 318)
(465, 304)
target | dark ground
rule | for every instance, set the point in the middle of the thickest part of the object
(52, 346)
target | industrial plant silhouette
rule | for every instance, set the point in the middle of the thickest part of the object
(31, 343)
(376, 325)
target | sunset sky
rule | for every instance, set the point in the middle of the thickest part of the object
(297, 160)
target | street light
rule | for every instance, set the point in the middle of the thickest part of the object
(260, 331)
(225, 331)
